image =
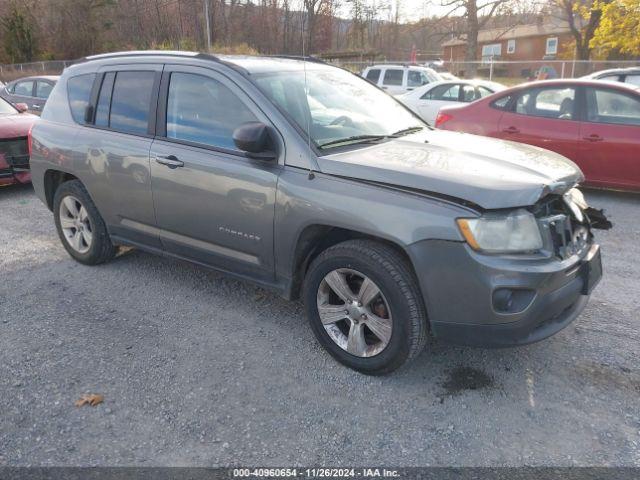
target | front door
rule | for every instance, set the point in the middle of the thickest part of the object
(213, 204)
(610, 138)
(544, 117)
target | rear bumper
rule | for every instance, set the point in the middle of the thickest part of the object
(459, 287)
(14, 170)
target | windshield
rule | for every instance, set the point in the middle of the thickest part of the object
(336, 105)
(6, 108)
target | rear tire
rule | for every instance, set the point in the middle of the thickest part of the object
(80, 226)
(390, 307)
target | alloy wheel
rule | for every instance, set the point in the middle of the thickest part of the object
(354, 312)
(75, 224)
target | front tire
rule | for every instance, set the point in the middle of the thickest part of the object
(364, 306)
(81, 229)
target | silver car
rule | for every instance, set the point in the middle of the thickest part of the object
(32, 91)
(307, 179)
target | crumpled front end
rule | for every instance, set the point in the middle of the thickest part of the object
(14, 161)
(496, 300)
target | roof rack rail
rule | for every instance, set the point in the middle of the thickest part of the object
(307, 58)
(142, 53)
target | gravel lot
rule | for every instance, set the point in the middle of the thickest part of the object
(198, 369)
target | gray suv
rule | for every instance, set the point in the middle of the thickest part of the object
(306, 179)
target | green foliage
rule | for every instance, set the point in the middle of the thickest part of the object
(19, 41)
(619, 29)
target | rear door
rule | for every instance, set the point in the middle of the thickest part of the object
(393, 80)
(430, 103)
(610, 137)
(545, 117)
(213, 205)
(114, 149)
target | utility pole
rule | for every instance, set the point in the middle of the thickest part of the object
(206, 16)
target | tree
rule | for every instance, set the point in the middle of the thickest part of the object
(19, 41)
(583, 18)
(477, 14)
(619, 30)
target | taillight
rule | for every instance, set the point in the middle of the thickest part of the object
(29, 141)
(442, 118)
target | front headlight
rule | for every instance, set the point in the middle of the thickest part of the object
(514, 232)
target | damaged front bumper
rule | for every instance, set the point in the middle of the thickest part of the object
(478, 299)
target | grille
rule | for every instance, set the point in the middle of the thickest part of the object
(16, 153)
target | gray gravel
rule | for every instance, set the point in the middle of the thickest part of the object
(198, 369)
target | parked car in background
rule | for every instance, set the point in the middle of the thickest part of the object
(596, 124)
(399, 79)
(427, 100)
(386, 228)
(624, 75)
(15, 124)
(32, 91)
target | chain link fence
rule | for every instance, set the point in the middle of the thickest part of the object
(503, 71)
(19, 70)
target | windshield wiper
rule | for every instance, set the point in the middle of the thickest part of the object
(406, 131)
(354, 139)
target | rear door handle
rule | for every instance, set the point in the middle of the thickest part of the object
(170, 161)
(511, 130)
(35, 107)
(593, 138)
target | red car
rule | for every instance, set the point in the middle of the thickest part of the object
(14, 150)
(594, 123)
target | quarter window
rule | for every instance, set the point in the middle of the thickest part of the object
(502, 103)
(203, 110)
(79, 93)
(393, 77)
(130, 102)
(609, 106)
(373, 75)
(24, 89)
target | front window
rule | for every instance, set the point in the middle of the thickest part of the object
(610, 106)
(336, 107)
(417, 78)
(553, 102)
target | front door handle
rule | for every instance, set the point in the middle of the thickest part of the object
(170, 161)
(511, 130)
(593, 138)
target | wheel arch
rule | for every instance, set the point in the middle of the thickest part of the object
(52, 180)
(316, 238)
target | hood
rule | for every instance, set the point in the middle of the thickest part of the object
(488, 172)
(16, 125)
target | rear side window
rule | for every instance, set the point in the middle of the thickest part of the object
(446, 92)
(393, 77)
(373, 75)
(79, 93)
(633, 79)
(43, 89)
(130, 102)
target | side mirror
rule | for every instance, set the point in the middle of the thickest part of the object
(22, 107)
(253, 139)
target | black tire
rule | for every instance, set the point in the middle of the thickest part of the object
(395, 278)
(101, 249)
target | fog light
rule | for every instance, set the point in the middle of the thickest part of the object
(512, 300)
